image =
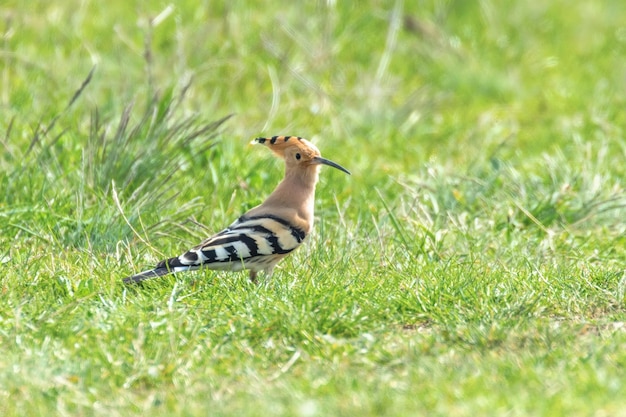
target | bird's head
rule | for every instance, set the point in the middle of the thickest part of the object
(297, 151)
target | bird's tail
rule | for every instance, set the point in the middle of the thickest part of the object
(145, 275)
(166, 267)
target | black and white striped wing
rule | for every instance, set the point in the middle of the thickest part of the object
(254, 242)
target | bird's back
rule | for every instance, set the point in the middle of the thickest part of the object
(254, 242)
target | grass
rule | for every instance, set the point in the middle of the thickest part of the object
(473, 264)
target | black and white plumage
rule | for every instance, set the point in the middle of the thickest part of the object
(255, 243)
(263, 236)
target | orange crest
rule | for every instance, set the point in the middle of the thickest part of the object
(278, 144)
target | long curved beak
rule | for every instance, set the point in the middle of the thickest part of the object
(324, 161)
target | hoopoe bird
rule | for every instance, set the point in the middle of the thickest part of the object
(267, 233)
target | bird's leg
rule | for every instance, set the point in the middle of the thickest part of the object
(253, 277)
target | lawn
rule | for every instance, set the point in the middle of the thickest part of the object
(474, 263)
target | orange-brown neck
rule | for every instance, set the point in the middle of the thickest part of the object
(296, 192)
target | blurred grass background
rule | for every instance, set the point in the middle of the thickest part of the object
(474, 263)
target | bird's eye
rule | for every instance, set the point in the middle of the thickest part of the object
(298, 156)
